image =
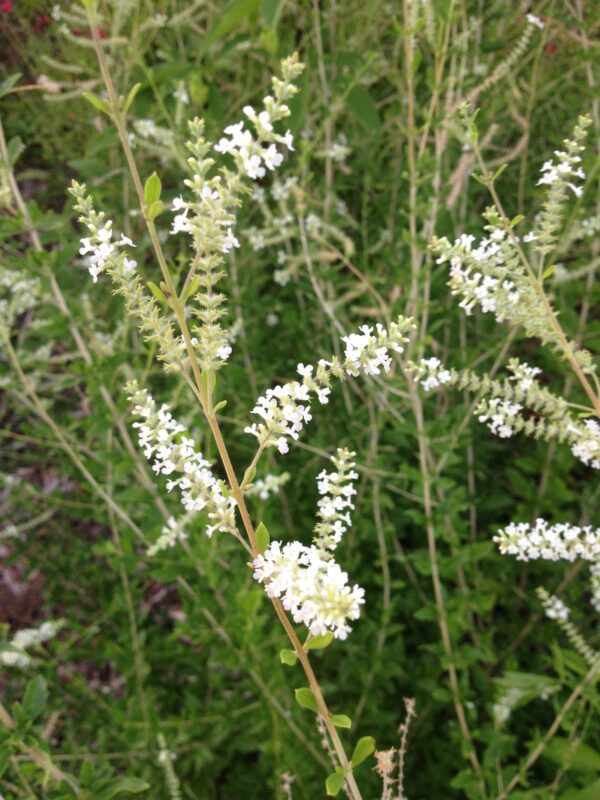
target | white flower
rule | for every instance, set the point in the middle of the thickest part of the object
(587, 442)
(335, 504)
(431, 374)
(288, 140)
(271, 157)
(500, 415)
(229, 242)
(523, 374)
(270, 484)
(171, 533)
(536, 21)
(549, 542)
(162, 437)
(555, 609)
(285, 409)
(314, 590)
(26, 638)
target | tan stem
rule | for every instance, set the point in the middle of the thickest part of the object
(117, 115)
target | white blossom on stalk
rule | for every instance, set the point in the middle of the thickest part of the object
(254, 154)
(309, 581)
(171, 533)
(499, 415)
(431, 373)
(313, 589)
(535, 21)
(16, 655)
(163, 439)
(263, 488)
(549, 542)
(284, 410)
(586, 442)
(334, 506)
(554, 608)
(523, 374)
(101, 252)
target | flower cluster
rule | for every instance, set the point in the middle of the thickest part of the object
(107, 255)
(586, 442)
(313, 589)
(263, 488)
(312, 585)
(368, 352)
(16, 654)
(431, 373)
(171, 533)
(253, 156)
(559, 176)
(500, 416)
(549, 542)
(522, 374)
(285, 409)
(209, 216)
(161, 437)
(20, 294)
(103, 252)
(486, 275)
(334, 506)
(555, 609)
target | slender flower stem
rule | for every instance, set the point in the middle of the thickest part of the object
(177, 307)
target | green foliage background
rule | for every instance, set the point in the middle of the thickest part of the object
(185, 643)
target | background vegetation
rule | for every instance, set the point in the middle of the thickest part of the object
(183, 643)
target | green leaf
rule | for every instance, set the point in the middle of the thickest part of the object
(36, 695)
(152, 189)
(99, 105)
(306, 699)
(271, 11)
(341, 720)
(15, 147)
(364, 748)
(119, 785)
(155, 209)
(249, 475)
(334, 783)
(574, 755)
(198, 89)
(591, 792)
(499, 171)
(288, 657)
(219, 406)
(319, 642)
(548, 271)
(262, 537)
(191, 289)
(4, 759)
(131, 96)
(362, 105)
(234, 13)
(8, 83)
(515, 220)
(157, 292)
